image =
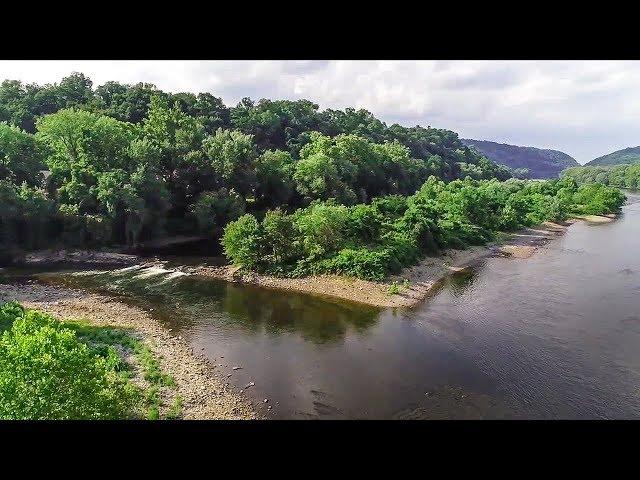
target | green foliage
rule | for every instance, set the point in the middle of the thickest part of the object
(26, 216)
(371, 241)
(241, 241)
(20, 156)
(89, 378)
(215, 209)
(317, 178)
(274, 176)
(232, 155)
(595, 199)
(47, 373)
(621, 176)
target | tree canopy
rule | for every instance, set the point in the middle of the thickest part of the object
(121, 164)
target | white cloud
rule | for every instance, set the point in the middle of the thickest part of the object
(585, 108)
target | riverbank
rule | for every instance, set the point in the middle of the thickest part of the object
(407, 289)
(204, 393)
(414, 284)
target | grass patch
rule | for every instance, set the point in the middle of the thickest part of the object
(175, 412)
(394, 288)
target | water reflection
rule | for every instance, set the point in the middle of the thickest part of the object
(461, 281)
(186, 302)
(274, 313)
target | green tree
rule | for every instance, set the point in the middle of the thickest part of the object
(232, 155)
(213, 210)
(20, 156)
(274, 178)
(242, 241)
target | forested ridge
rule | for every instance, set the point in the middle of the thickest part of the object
(527, 162)
(624, 156)
(120, 164)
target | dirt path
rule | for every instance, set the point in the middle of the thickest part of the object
(205, 395)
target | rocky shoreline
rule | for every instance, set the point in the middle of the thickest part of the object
(205, 395)
(87, 257)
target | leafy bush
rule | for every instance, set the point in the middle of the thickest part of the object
(595, 199)
(47, 373)
(361, 263)
(242, 241)
(215, 209)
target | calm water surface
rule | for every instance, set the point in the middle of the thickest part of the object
(553, 336)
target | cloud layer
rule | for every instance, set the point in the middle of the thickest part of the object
(584, 108)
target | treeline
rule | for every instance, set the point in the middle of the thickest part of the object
(119, 164)
(373, 240)
(621, 176)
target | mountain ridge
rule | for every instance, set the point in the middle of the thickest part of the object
(626, 155)
(541, 162)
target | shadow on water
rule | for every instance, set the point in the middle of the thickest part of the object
(184, 302)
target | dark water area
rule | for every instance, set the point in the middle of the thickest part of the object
(553, 336)
(202, 247)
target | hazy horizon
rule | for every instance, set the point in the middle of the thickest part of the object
(583, 108)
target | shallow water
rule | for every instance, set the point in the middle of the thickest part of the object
(553, 336)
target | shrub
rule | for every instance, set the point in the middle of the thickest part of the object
(280, 241)
(596, 199)
(47, 373)
(213, 210)
(361, 263)
(242, 241)
(322, 228)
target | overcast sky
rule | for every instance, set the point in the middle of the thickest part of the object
(584, 108)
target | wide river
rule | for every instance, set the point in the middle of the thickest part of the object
(553, 336)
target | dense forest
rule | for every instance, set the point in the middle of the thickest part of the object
(527, 162)
(119, 164)
(621, 176)
(626, 155)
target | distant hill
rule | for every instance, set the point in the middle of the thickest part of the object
(627, 155)
(542, 163)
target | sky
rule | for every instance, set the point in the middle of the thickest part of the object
(583, 108)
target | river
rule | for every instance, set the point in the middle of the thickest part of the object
(553, 336)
